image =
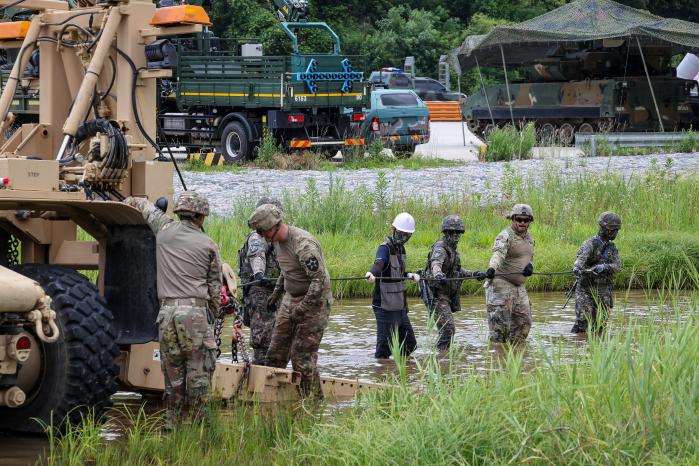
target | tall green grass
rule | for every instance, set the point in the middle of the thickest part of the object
(658, 209)
(631, 397)
(510, 143)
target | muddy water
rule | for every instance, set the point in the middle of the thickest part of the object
(348, 347)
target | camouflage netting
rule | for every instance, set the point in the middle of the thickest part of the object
(578, 21)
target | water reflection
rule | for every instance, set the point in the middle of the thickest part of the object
(347, 349)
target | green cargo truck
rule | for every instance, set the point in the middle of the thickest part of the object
(224, 94)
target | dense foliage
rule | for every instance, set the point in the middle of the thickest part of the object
(385, 31)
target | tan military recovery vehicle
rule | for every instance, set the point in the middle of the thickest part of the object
(66, 344)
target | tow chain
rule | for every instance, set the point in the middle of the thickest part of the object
(229, 306)
(238, 342)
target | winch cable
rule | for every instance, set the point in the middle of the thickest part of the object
(400, 279)
(134, 107)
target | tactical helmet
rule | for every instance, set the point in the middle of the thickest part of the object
(265, 217)
(270, 200)
(452, 223)
(609, 220)
(192, 201)
(404, 222)
(521, 209)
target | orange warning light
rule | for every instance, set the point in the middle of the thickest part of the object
(180, 14)
(14, 30)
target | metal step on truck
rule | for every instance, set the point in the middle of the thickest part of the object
(224, 94)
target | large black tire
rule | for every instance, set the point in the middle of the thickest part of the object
(235, 144)
(78, 372)
(405, 152)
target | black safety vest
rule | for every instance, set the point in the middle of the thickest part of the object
(392, 294)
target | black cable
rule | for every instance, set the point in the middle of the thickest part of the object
(111, 83)
(92, 13)
(134, 108)
(11, 5)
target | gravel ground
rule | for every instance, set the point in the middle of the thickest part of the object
(472, 177)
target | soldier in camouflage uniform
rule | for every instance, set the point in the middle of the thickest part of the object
(257, 262)
(189, 285)
(509, 312)
(442, 273)
(597, 262)
(306, 297)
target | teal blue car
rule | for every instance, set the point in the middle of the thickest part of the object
(398, 118)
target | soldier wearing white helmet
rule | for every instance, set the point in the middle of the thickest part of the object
(509, 312)
(389, 302)
(189, 285)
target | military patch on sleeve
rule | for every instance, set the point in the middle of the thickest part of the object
(312, 264)
(254, 247)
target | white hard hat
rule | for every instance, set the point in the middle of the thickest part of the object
(404, 222)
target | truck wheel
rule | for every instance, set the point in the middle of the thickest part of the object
(405, 152)
(65, 379)
(235, 145)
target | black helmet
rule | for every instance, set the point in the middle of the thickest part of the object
(609, 220)
(452, 223)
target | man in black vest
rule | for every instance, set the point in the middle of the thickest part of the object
(389, 303)
(444, 273)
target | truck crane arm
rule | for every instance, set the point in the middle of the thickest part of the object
(289, 10)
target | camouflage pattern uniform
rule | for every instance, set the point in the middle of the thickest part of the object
(444, 260)
(305, 306)
(509, 310)
(189, 283)
(593, 290)
(256, 258)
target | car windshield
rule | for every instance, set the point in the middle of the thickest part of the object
(404, 99)
(377, 77)
(425, 85)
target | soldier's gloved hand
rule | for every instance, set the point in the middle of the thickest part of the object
(528, 270)
(441, 277)
(370, 277)
(480, 275)
(599, 268)
(161, 204)
(272, 300)
(490, 273)
(577, 271)
(414, 277)
(298, 311)
(260, 277)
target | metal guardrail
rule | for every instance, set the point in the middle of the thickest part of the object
(629, 139)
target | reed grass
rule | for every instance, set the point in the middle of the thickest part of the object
(631, 397)
(510, 143)
(658, 209)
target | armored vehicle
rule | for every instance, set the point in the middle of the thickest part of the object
(588, 65)
(587, 88)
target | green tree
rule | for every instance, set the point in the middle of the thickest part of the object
(515, 10)
(404, 31)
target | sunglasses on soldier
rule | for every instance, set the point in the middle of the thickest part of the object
(522, 219)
